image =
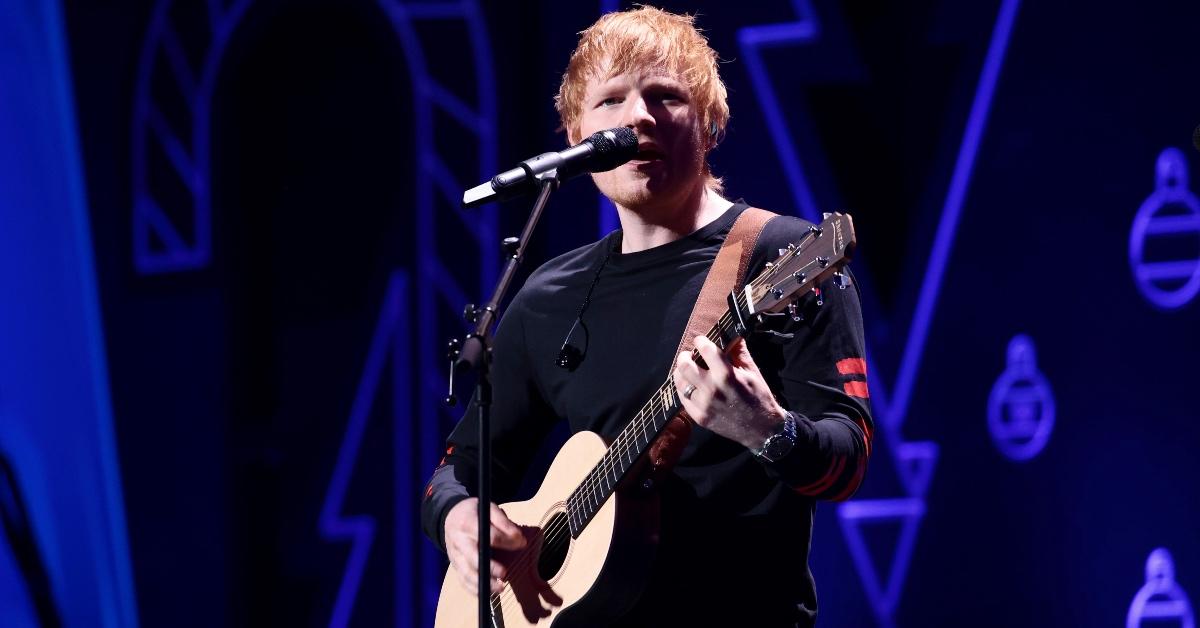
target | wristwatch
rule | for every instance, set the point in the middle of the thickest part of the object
(780, 444)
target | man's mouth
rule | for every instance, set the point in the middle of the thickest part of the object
(649, 153)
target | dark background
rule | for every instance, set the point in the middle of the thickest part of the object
(233, 379)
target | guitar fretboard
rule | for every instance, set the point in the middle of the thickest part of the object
(632, 442)
(781, 279)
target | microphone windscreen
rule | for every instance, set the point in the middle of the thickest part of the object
(611, 148)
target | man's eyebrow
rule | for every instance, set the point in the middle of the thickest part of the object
(666, 79)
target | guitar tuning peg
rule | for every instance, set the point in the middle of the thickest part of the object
(794, 312)
(841, 280)
(510, 247)
(784, 251)
(791, 246)
(826, 215)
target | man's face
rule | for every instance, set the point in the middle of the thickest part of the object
(670, 161)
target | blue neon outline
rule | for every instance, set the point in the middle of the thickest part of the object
(118, 599)
(1020, 349)
(434, 282)
(404, 475)
(915, 461)
(359, 530)
(1171, 188)
(951, 211)
(909, 512)
(892, 412)
(1176, 606)
(804, 30)
(192, 170)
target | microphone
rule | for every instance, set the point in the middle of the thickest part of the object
(604, 150)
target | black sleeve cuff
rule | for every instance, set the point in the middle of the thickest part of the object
(443, 493)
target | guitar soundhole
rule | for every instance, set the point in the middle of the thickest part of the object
(555, 543)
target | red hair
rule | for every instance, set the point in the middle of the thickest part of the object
(625, 41)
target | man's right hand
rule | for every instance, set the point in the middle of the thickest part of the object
(462, 543)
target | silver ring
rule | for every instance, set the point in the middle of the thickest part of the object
(687, 392)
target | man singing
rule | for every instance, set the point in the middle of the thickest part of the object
(779, 423)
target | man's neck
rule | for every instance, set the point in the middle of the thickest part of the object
(647, 227)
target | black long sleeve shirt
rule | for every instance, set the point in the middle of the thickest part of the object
(736, 529)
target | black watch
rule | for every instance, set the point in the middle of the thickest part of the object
(780, 444)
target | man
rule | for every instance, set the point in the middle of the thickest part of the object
(736, 521)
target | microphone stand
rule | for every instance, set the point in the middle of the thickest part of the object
(475, 354)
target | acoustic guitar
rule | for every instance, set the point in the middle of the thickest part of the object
(592, 525)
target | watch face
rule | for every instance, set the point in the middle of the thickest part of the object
(778, 447)
(781, 443)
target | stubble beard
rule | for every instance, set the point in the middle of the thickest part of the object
(640, 192)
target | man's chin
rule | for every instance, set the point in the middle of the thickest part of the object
(629, 193)
(634, 200)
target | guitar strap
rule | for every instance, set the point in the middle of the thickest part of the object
(727, 272)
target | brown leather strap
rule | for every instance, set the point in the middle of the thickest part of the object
(727, 272)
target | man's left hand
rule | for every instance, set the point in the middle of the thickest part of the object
(730, 397)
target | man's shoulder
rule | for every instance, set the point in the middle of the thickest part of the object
(780, 231)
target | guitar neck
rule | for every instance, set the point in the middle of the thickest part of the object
(635, 439)
(819, 253)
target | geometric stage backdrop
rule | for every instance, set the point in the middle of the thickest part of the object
(264, 204)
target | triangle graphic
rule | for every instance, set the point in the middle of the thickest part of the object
(359, 529)
(915, 462)
(882, 587)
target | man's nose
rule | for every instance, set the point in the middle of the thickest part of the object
(638, 116)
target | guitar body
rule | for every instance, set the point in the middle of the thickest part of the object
(595, 578)
(591, 579)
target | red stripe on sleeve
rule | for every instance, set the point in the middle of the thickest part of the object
(856, 389)
(826, 481)
(852, 366)
(866, 435)
(853, 485)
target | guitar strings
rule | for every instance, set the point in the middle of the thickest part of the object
(553, 535)
(553, 538)
(591, 484)
(591, 488)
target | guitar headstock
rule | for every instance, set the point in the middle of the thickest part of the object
(820, 254)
